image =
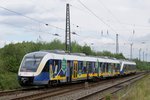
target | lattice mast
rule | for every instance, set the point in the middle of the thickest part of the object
(68, 34)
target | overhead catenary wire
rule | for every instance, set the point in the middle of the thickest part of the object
(101, 20)
(117, 18)
(38, 21)
(29, 17)
(93, 30)
(42, 21)
(87, 12)
(118, 21)
(33, 19)
(109, 11)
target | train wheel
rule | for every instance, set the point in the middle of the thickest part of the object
(48, 84)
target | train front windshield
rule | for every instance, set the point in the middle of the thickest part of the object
(30, 64)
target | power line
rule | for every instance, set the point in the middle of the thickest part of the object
(96, 16)
(31, 18)
(121, 23)
(109, 11)
(117, 18)
(30, 29)
(80, 9)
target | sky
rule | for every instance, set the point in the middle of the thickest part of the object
(98, 23)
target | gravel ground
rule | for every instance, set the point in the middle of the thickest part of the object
(9, 97)
(73, 95)
(77, 94)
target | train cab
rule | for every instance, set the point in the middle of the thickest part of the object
(29, 69)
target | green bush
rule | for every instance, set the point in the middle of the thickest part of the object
(8, 81)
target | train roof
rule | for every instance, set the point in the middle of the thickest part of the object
(127, 62)
(73, 56)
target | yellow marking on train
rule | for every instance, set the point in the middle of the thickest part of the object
(59, 78)
(90, 75)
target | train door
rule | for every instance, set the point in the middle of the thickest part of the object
(69, 71)
(75, 69)
(87, 69)
(97, 68)
(50, 69)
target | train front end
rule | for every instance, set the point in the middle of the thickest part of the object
(30, 71)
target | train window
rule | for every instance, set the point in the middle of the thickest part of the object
(129, 67)
(30, 64)
(80, 65)
(91, 67)
(124, 66)
(84, 67)
(100, 67)
(118, 67)
(46, 67)
(133, 67)
(110, 67)
(71, 63)
(87, 66)
(55, 66)
(103, 67)
(97, 67)
(106, 67)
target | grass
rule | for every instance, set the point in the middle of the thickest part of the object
(137, 91)
(8, 81)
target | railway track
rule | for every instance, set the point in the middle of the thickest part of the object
(85, 93)
(101, 94)
(31, 93)
(56, 91)
(60, 91)
(64, 91)
(39, 91)
(18, 91)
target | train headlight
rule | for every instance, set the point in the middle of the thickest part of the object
(24, 80)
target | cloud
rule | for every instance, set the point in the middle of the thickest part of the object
(149, 20)
(144, 39)
(132, 15)
(5, 42)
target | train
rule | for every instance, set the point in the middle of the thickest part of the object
(54, 67)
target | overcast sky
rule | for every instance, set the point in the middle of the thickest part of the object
(128, 18)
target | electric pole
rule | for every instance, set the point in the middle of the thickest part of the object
(68, 34)
(140, 54)
(117, 44)
(146, 55)
(143, 55)
(131, 44)
(131, 51)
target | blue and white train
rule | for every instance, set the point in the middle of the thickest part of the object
(47, 68)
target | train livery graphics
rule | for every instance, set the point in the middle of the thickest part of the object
(46, 68)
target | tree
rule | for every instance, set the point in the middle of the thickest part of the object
(86, 49)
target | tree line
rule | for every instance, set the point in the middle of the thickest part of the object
(12, 54)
